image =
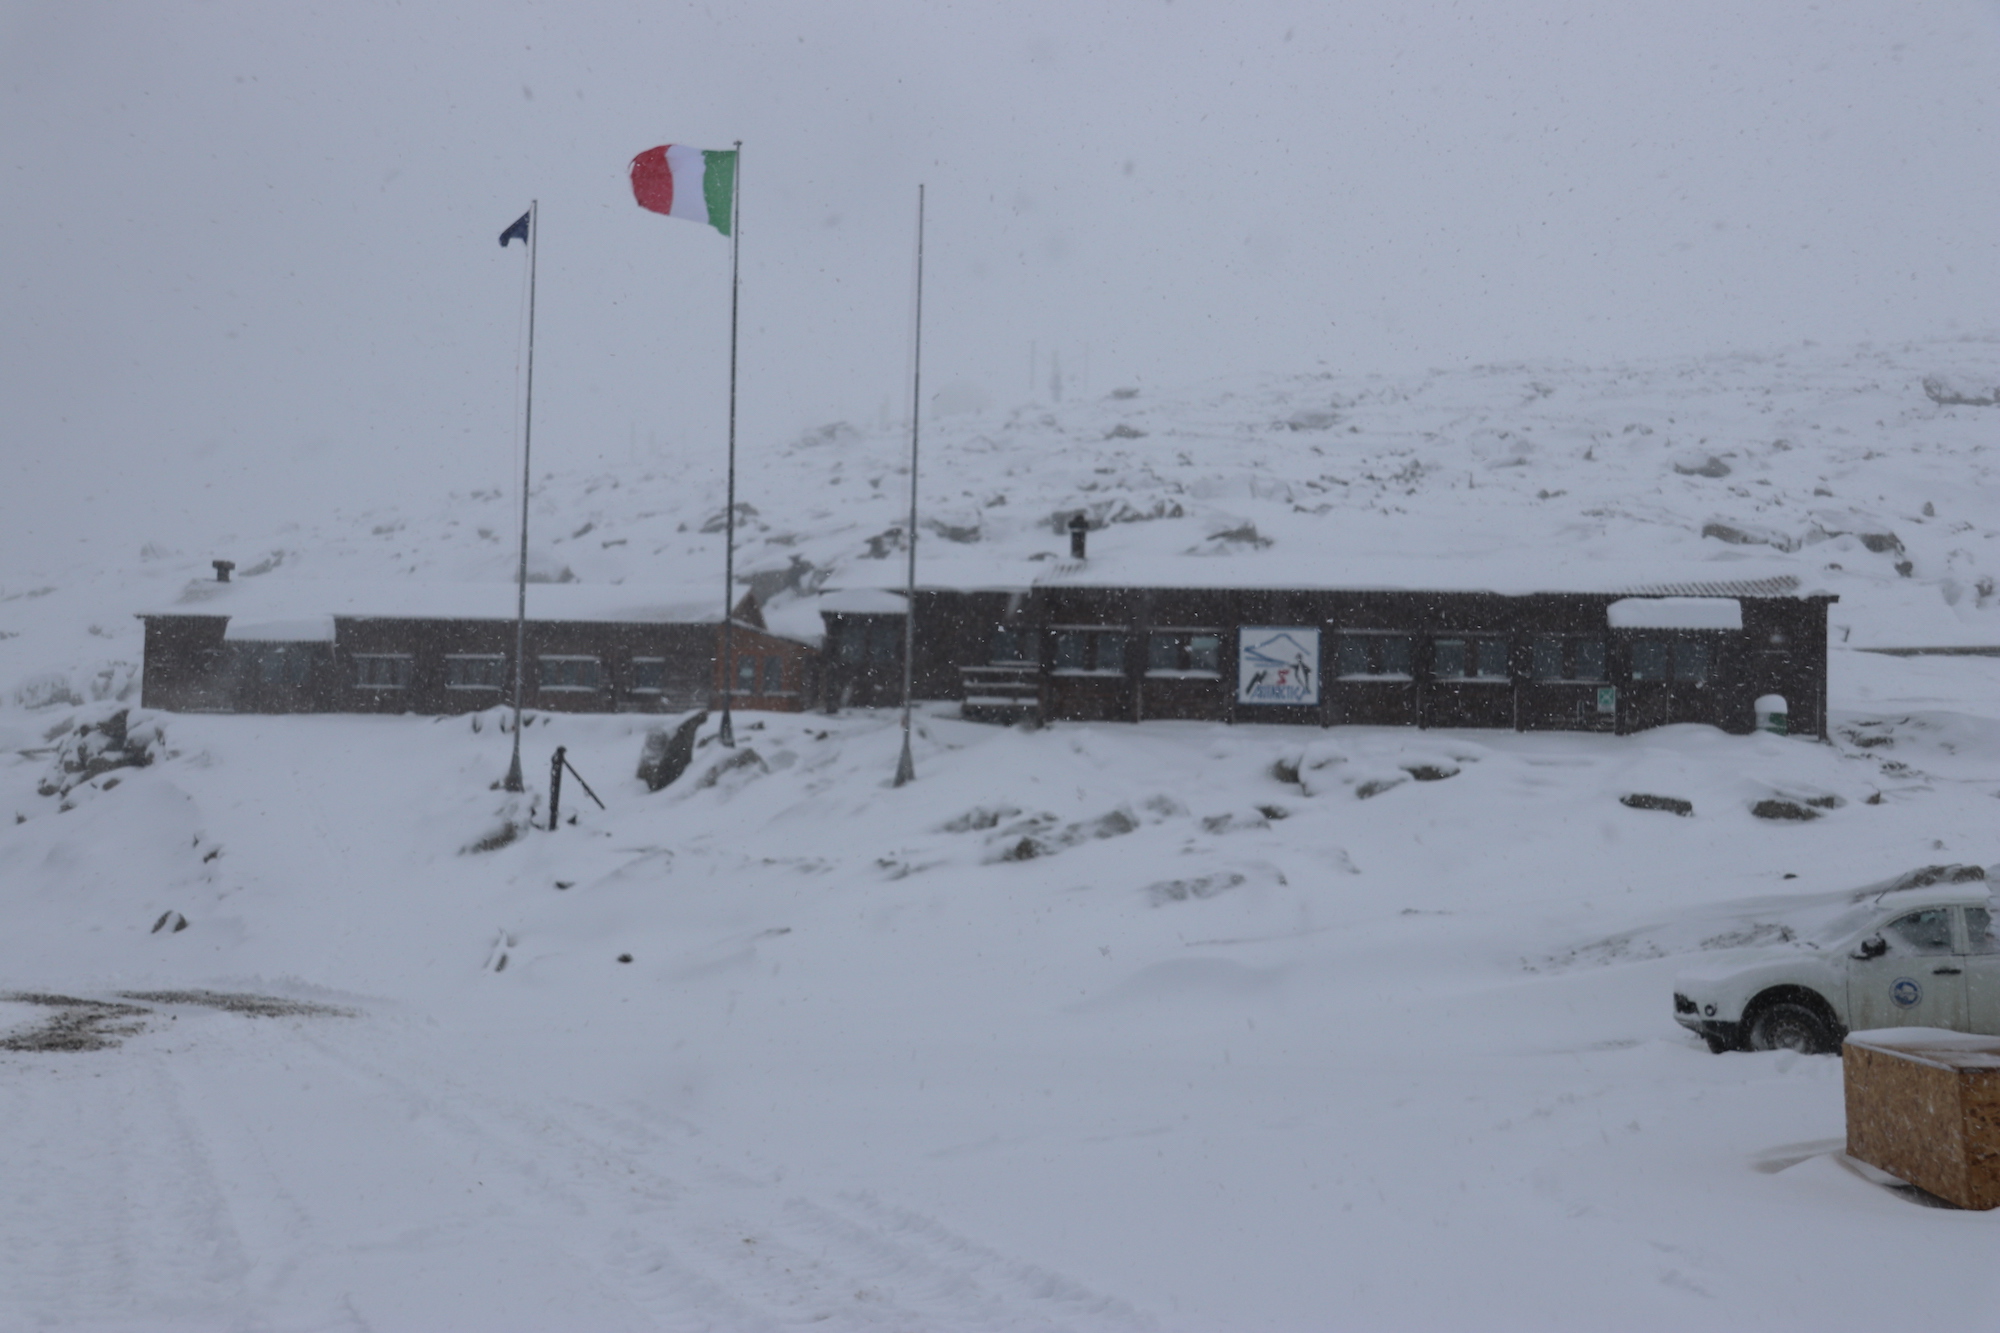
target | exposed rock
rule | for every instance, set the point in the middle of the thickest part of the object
(668, 750)
(719, 520)
(1202, 886)
(114, 741)
(1777, 809)
(800, 575)
(951, 532)
(1737, 535)
(1229, 540)
(1701, 465)
(1948, 392)
(745, 758)
(1115, 511)
(1640, 800)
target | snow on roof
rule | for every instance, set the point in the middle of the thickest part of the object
(257, 604)
(1724, 613)
(863, 602)
(311, 629)
(1377, 573)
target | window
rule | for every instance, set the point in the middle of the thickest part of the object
(1979, 931)
(774, 675)
(280, 665)
(382, 671)
(1490, 662)
(1649, 659)
(1675, 659)
(1013, 645)
(1923, 932)
(1588, 657)
(1184, 653)
(1091, 651)
(1469, 659)
(568, 673)
(746, 675)
(475, 671)
(649, 675)
(1373, 656)
(885, 640)
(854, 641)
(1557, 658)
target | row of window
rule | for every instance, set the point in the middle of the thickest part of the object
(1369, 656)
(574, 673)
(877, 639)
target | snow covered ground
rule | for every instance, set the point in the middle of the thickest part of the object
(1177, 1026)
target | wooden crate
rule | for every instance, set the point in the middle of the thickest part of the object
(1923, 1104)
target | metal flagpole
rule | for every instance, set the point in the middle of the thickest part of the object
(728, 733)
(514, 782)
(906, 767)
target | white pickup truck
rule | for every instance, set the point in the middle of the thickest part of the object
(1921, 950)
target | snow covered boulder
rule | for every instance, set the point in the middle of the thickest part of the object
(89, 750)
(1949, 391)
(668, 750)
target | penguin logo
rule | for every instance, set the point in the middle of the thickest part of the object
(1905, 992)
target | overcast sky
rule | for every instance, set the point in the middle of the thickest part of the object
(251, 264)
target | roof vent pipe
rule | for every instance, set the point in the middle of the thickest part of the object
(1079, 527)
(222, 568)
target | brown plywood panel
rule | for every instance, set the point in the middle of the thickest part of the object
(1925, 1106)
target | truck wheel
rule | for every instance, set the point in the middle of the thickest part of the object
(1717, 1046)
(1789, 1026)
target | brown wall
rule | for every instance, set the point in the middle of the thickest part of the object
(189, 668)
(1781, 650)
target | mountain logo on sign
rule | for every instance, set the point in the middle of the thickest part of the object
(1279, 667)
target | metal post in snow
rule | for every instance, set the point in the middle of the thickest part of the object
(514, 782)
(555, 788)
(727, 734)
(906, 766)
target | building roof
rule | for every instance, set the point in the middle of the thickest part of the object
(292, 609)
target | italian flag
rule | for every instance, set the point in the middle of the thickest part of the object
(685, 182)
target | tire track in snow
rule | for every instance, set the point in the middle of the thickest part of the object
(113, 1208)
(714, 1244)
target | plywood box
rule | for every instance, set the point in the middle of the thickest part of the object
(1923, 1104)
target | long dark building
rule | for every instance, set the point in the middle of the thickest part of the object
(1614, 660)
(1075, 646)
(299, 647)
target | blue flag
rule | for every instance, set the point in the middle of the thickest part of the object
(517, 232)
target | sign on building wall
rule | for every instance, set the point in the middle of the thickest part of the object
(1277, 666)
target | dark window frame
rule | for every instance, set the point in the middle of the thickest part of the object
(396, 670)
(1103, 649)
(454, 664)
(1476, 653)
(569, 665)
(1184, 653)
(1570, 668)
(1378, 651)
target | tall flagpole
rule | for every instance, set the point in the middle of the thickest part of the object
(514, 782)
(728, 733)
(906, 767)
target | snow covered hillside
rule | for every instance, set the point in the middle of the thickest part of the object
(1173, 1026)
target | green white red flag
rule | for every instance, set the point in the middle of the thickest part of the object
(683, 182)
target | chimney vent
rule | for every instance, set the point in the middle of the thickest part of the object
(222, 568)
(1079, 528)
